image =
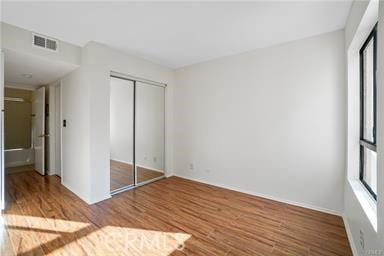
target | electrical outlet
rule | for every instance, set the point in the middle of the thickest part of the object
(362, 243)
(208, 171)
(145, 158)
(154, 159)
(191, 167)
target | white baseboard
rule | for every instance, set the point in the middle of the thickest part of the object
(282, 200)
(54, 172)
(350, 237)
(98, 199)
(121, 161)
(87, 200)
(168, 173)
(149, 168)
(79, 195)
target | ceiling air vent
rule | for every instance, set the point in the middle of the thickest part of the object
(51, 44)
(38, 41)
(46, 43)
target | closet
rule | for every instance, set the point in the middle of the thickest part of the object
(137, 132)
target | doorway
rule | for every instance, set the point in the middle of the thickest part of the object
(20, 142)
(27, 144)
(32, 129)
(137, 132)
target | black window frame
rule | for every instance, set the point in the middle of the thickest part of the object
(371, 145)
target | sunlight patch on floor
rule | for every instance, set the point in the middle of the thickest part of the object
(33, 235)
(112, 240)
(28, 233)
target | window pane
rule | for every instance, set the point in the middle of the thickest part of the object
(370, 169)
(368, 93)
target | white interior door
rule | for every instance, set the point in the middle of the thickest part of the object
(39, 130)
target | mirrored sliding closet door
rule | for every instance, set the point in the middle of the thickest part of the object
(149, 132)
(137, 133)
(121, 134)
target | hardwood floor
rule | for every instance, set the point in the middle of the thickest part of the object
(43, 217)
(122, 174)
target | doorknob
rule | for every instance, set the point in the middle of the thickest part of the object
(43, 135)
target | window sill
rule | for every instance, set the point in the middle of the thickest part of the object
(366, 201)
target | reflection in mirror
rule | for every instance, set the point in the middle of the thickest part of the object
(149, 131)
(121, 133)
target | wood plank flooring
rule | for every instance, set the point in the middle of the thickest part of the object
(172, 216)
(122, 174)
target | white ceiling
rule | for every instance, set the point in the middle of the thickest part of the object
(43, 71)
(177, 34)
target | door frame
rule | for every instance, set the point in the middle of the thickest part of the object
(55, 128)
(40, 135)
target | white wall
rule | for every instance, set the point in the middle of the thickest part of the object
(149, 126)
(362, 216)
(379, 243)
(268, 122)
(117, 61)
(20, 40)
(75, 137)
(121, 120)
(86, 104)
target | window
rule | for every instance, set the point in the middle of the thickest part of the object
(368, 156)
